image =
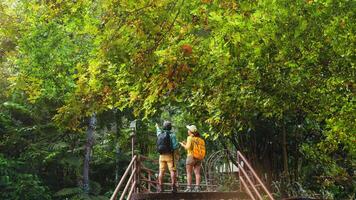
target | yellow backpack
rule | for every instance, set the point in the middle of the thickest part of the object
(198, 148)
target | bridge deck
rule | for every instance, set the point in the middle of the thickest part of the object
(191, 195)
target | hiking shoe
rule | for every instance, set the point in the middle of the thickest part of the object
(174, 189)
(159, 188)
(189, 189)
(196, 189)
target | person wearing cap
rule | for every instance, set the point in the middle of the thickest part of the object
(191, 162)
(168, 159)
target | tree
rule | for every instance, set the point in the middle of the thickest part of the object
(261, 76)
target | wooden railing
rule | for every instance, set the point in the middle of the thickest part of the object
(144, 180)
(147, 176)
(131, 181)
(141, 180)
(248, 177)
(139, 174)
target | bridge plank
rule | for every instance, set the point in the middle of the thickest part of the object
(191, 195)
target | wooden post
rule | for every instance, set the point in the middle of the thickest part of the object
(132, 146)
(133, 153)
(138, 172)
(133, 135)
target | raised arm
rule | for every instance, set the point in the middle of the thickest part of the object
(158, 130)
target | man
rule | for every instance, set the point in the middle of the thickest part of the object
(167, 146)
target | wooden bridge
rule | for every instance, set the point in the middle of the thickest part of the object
(140, 182)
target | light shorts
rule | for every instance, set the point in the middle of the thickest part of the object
(166, 160)
(192, 161)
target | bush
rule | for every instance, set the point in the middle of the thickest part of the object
(16, 185)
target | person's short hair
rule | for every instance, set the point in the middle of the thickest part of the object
(167, 125)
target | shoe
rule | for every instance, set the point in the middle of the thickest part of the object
(159, 188)
(196, 189)
(189, 189)
(174, 189)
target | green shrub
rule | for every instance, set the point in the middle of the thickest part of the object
(15, 184)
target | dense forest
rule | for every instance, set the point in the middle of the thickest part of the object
(275, 79)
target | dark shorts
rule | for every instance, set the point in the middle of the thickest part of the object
(192, 161)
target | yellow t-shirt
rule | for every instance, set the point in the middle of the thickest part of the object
(189, 146)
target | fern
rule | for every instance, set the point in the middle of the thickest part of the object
(68, 192)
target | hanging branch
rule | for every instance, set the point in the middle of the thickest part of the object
(157, 43)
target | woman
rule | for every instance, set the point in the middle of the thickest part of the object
(191, 162)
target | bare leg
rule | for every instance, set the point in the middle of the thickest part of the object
(189, 169)
(173, 181)
(160, 180)
(173, 177)
(177, 179)
(176, 159)
(197, 174)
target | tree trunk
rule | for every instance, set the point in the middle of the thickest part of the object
(285, 177)
(88, 149)
(285, 154)
(117, 147)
